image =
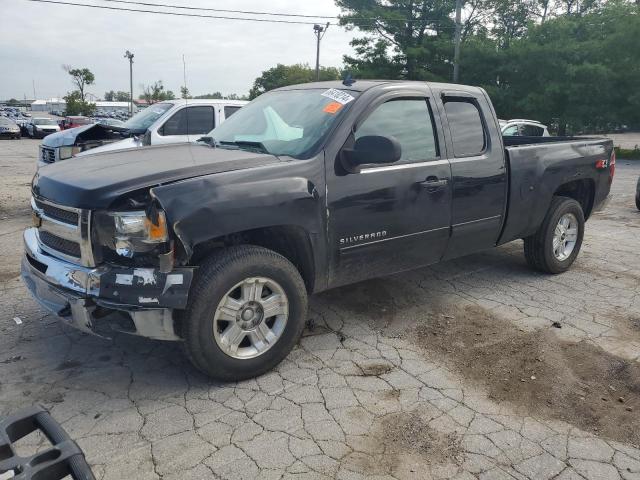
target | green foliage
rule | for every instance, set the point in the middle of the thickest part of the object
(77, 106)
(214, 95)
(12, 102)
(283, 75)
(184, 92)
(571, 64)
(118, 96)
(628, 153)
(155, 93)
(81, 78)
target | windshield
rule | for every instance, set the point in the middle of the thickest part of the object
(144, 119)
(287, 122)
(5, 121)
(44, 121)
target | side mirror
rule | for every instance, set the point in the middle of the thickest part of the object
(374, 149)
(146, 139)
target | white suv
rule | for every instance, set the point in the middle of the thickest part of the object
(523, 128)
(170, 121)
(173, 121)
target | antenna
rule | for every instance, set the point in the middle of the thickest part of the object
(184, 76)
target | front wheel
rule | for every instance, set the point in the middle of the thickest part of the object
(246, 311)
(556, 244)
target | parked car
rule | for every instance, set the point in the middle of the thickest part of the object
(75, 121)
(9, 128)
(171, 121)
(219, 243)
(523, 128)
(41, 127)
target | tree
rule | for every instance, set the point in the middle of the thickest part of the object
(118, 96)
(574, 64)
(12, 102)
(77, 106)
(184, 92)
(81, 78)
(213, 95)
(155, 93)
(409, 38)
(283, 75)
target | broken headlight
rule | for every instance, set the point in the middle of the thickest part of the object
(132, 232)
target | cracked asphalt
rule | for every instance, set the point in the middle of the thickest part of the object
(454, 371)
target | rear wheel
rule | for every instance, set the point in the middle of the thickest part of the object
(556, 244)
(246, 312)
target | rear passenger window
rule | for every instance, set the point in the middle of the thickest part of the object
(466, 127)
(409, 121)
(228, 111)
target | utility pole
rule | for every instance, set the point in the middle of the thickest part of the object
(319, 31)
(129, 55)
(456, 54)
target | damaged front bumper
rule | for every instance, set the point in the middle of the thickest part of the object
(108, 298)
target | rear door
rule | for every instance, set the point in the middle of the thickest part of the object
(187, 124)
(389, 218)
(479, 179)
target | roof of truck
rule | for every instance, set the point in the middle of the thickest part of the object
(362, 85)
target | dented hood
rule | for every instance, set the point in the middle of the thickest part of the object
(95, 181)
(79, 135)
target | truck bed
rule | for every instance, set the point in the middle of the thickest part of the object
(533, 165)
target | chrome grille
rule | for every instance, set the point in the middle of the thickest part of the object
(47, 155)
(60, 244)
(63, 231)
(57, 213)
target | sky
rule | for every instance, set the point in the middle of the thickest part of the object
(36, 39)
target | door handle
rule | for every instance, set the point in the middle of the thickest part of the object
(433, 183)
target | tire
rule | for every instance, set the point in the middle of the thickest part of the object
(539, 247)
(218, 279)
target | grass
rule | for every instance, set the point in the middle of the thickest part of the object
(628, 153)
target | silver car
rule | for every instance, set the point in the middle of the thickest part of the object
(9, 128)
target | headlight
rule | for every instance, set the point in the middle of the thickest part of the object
(68, 152)
(132, 232)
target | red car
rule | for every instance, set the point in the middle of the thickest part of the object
(75, 121)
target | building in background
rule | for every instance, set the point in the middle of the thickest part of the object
(108, 107)
(50, 105)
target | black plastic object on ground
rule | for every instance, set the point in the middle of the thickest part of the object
(63, 458)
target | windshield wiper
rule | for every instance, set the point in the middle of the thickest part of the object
(247, 143)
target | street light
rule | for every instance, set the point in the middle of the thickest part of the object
(129, 55)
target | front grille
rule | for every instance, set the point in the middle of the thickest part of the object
(62, 245)
(59, 214)
(47, 155)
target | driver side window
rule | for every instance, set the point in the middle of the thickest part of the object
(409, 121)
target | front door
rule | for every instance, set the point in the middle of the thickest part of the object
(394, 217)
(186, 125)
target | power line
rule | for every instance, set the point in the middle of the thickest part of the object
(177, 14)
(355, 20)
(208, 9)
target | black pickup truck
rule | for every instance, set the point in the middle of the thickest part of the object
(309, 187)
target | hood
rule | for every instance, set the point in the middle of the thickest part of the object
(132, 142)
(79, 135)
(95, 181)
(47, 127)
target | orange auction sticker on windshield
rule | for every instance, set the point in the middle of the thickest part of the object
(332, 107)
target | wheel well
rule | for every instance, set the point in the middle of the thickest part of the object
(290, 241)
(582, 191)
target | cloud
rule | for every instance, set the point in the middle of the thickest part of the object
(36, 39)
